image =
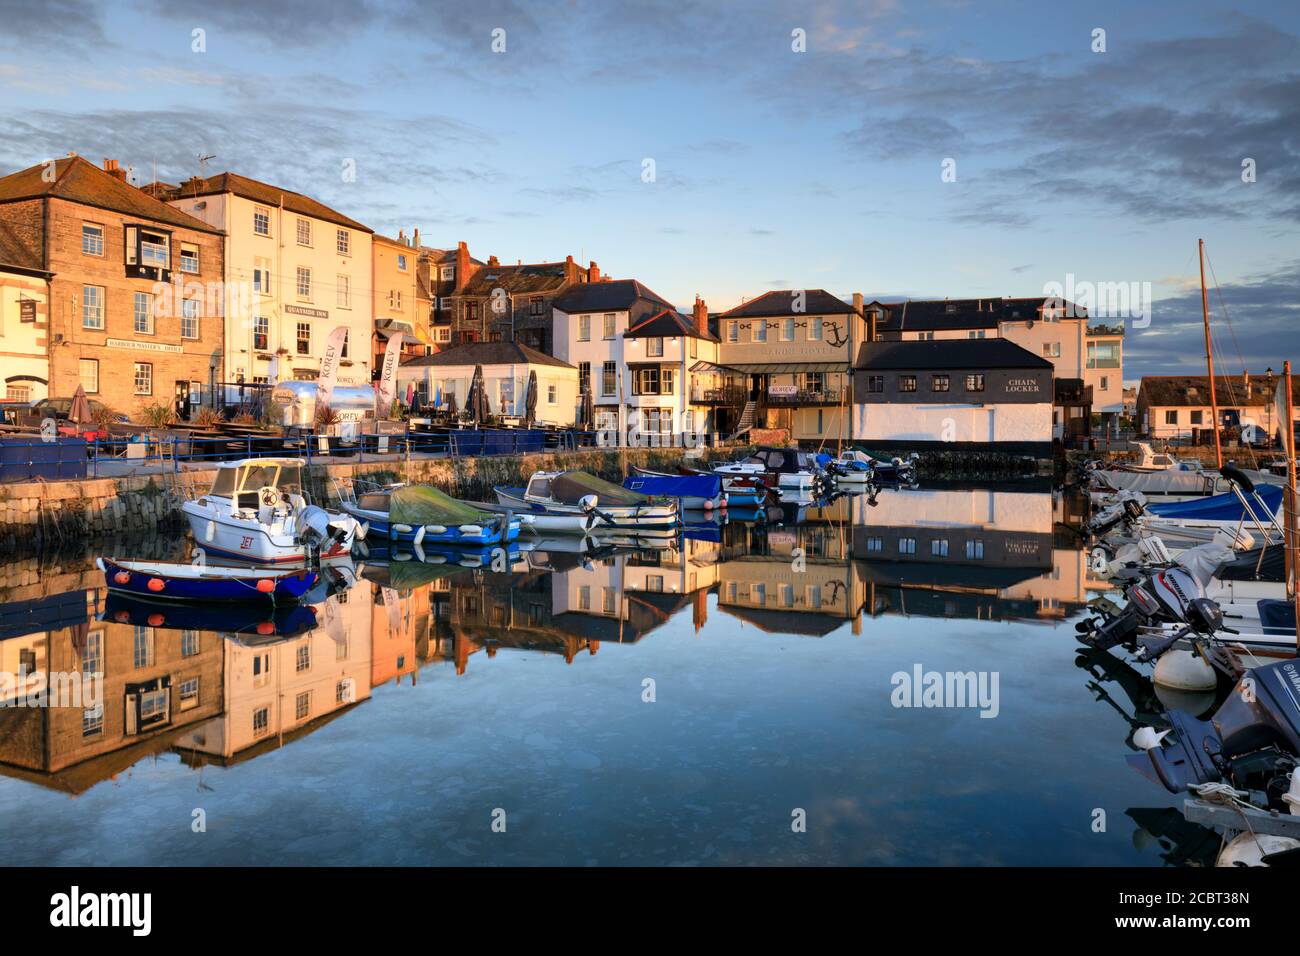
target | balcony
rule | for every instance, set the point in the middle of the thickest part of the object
(728, 395)
(803, 398)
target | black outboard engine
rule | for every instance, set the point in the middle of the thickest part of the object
(1166, 596)
(1126, 510)
(1251, 742)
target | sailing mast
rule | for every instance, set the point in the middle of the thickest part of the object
(1291, 537)
(1209, 355)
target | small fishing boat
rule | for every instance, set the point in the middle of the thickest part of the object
(256, 511)
(786, 468)
(853, 468)
(167, 581)
(539, 521)
(577, 493)
(695, 492)
(742, 491)
(422, 514)
(891, 468)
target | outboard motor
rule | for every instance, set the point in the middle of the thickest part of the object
(1126, 509)
(1252, 742)
(1166, 596)
(315, 529)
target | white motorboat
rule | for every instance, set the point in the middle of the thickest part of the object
(256, 511)
(576, 494)
(786, 468)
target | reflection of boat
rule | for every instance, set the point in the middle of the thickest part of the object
(248, 619)
(445, 554)
(256, 512)
(423, 514)
(576, 493)
(741, 490)
(168, 581)
(695, 492)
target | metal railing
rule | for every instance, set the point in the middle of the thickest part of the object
(26, 458)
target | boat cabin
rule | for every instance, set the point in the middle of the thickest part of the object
(255, 484)
(783, 461)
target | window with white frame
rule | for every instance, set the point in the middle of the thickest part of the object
(143, 313)
(401, 262)
(551, 395)
(261, 333)
(758, 330)
(262, 276)
(343, 291)
(143, 378)
(816, 327)
(189, 258)
(92, 239)
(442, 333)
(304, 338)
(343, 242)
(654, 346)
(88, 374)
(261, 721)
(609, 325)
(302, 705)
(584, 328)
(304, 232)
(304, 283)
(608, 379)
(190, 319)
(261, 221)
(1052, 349)
(733, 331)
(787, 330)
(189, 693)
(448, 273)
(92, 307)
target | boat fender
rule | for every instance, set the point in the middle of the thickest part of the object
(156, 584)
(122, 617)
(436, 559)
(1292, 797)
(211, 530)
(1185, 670)
(122, 577)
(435, 529)
(1250, 849)
(265, 627)
(470, 529)
(157, 620)
(419, 535)
(265, 585)
(403, 528)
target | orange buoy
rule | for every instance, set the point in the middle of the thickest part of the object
(266, 627)
(265, 585)
(156, 584)
(122, 577)
(122, 617)
(156, 620)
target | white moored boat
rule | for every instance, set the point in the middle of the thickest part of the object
(577, 494)
(256, 511)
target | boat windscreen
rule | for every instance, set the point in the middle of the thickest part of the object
(259, 476)
(424, 504)
(572, 486)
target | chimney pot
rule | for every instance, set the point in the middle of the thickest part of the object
(593, 272)
(701, 315)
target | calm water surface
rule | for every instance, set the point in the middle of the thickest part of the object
(419, 703)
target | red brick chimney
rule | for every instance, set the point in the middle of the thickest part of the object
(570, 269)
(114, 169)
(593, 272)
(415, 238)
(493, 261)
(701, 316)
(464, 268)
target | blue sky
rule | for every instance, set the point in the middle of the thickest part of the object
(774, 169)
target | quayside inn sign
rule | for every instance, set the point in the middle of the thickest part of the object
(1023, 385)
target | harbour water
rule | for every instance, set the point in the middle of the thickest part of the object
(738, 696)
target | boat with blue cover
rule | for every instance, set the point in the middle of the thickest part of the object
(422, 514)
(695, 492)
(168, 581)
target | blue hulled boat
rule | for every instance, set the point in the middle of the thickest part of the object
(166, 581)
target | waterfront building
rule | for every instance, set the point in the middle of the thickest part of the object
(976, 394)
(299, 270)
(786, 362)
(648, 366)
(24, 320)
(401, 297)
(506, 367)
(1178, 406)
(1088, 361)
(135, 303)
(445, 271)
(498, 302)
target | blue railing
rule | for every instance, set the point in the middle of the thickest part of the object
(24, 458)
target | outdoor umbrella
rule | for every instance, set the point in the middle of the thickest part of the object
(478, 400)
(530, 400)
(79, 413)
(452, 410)
(410, 394)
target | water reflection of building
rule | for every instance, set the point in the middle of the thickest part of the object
(792, 580)
(276, 691)
(988, 553)
(156, 684)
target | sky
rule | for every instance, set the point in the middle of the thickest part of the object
(930, 150)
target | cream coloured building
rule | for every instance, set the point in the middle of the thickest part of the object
(24, 330)
(506, 367)
(295, 269)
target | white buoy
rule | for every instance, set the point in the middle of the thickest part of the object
(1249, 849)
(1292, 796)
(1185, 670)
(1199, 703)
